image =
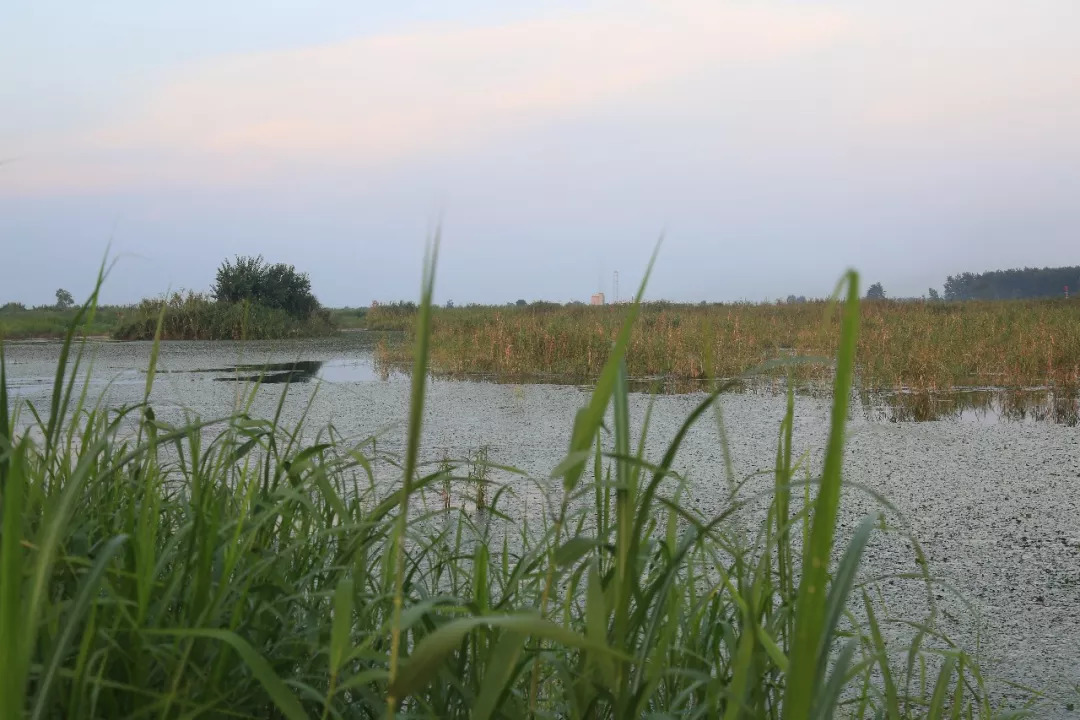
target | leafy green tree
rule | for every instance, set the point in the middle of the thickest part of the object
(64, 300)
(875, 292)
(521, 303)
(934, 294)
(277, 286)
(1015, 283)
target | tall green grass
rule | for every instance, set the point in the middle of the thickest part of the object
(240, 568)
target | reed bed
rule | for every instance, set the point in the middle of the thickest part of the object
(236, 569)
(922, 345)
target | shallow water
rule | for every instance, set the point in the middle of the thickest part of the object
(991, 489)
(346, 364)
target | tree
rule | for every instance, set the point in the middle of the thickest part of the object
(934, 294)
(1015, 283)
(875, 292)
(279, 286)
(449, 304)
(521, 303)
(64, 300)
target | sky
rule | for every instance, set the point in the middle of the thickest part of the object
(772, 144)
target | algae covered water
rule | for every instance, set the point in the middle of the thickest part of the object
(993, 500)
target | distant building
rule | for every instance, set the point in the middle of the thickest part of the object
(597, 299)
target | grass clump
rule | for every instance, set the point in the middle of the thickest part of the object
(235, 569)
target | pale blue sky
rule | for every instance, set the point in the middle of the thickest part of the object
(776, 143)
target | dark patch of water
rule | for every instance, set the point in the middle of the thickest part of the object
(983, 405)
(271, 373)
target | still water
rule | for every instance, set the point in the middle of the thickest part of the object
(207, 378)
(991, 487)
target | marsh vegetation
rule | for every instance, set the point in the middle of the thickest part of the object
(922, 345)
(242, 566)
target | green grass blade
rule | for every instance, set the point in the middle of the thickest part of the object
(5, 427)
(436, 647)
(412, 452)
(49, 537)
(829, 692)
(284, 698)
(742, 668)
(810, 603)
(13, 661)
(58, 403)
(502, 666)
(72, 622)
(588, 420)
(341, 625)
(155, 349)
(941, 689)
(892, 697)
(843, 579)
(625, 502)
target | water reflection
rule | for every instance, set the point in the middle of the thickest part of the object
(984, 405)
(298, 371)
(981, 405)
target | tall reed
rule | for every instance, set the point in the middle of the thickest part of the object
(925, 345)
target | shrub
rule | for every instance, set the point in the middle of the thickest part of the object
(278, 286)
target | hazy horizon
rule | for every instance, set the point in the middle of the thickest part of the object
(773, 144)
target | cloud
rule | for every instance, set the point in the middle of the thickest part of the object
(372, 101)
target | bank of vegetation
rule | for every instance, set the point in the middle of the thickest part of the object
(197, 316)
(251, 300)
(230, 568)
(18, 322)
(917, 344)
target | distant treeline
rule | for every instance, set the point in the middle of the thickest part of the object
(1013, 284)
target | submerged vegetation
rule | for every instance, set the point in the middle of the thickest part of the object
(239, 568)
(925, 345)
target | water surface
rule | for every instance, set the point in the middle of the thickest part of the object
(991, 486)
